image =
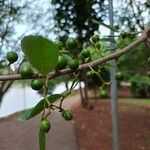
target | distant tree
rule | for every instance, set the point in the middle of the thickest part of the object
(132, 14)
(135, 66)
(75, 17)
(134, 61)
(9, 15)
(31, 16)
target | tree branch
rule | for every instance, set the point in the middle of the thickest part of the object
(144, 38)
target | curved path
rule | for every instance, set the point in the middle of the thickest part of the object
(16, 135)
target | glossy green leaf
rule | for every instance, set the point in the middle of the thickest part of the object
(30, 113)
(25, 115)
(42, 143)
(40, 52)
(105, 25)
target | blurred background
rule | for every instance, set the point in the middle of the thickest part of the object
(60, 19)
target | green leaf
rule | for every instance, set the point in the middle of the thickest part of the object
(25, 115)
(105, 25)
(42, 144)
(30, 113)
(40, 52)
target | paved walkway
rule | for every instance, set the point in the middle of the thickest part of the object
(16, 135)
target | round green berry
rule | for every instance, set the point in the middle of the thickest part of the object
(26, 71)
(116, 27)
(124, 35)
(67, 115)
(98, 45)
(71, 43)
(37, 84)
(90, 74)
(12, 57)
(95, 38)
(119, 76)
(85, 53)
(103, 93)
(73, 64)
(45, 125)
(62, 63)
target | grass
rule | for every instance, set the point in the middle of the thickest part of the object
(132, 101)
(135, 101)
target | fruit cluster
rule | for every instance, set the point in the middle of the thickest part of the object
(66, 59)
(45, 125)
(70, 56)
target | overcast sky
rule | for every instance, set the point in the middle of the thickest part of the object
(21, 28)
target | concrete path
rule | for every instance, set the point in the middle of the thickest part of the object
(16, 135)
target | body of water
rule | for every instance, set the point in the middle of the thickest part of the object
(21, 98)
(17, 99)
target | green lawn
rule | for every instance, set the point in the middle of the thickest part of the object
(136, 101)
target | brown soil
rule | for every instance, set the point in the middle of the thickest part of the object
(94, 132)
(92, 126)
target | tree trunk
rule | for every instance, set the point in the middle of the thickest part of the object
(85, 102)
(66, 85)
(1, 98)
(81, 93)
(4, 88)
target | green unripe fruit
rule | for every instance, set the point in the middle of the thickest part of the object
(98, 45)
(67, 115)
(90, 74)
(71, 43)
(45, 125)
(119, 76)
(12, 57)
(85, 53)
(37, 84)
(116, 27)
(124, 35)
(59, 44)
(73, 64)
(26, 71)
(62, 63)
(103, 94)
(95, 38)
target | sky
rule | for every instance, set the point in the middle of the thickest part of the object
(43, 5)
